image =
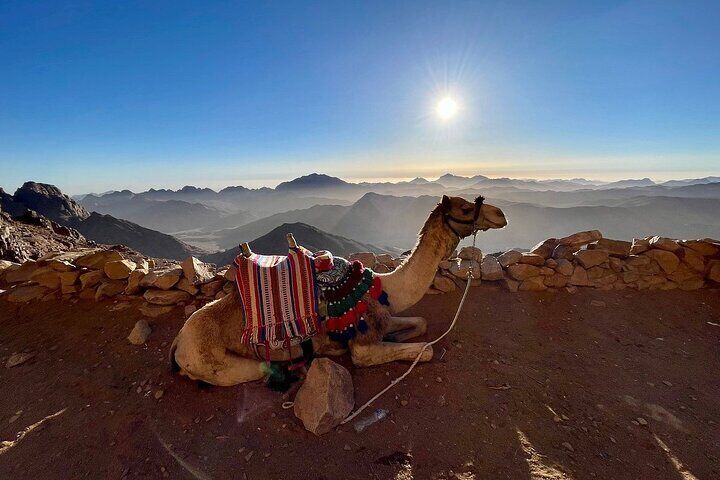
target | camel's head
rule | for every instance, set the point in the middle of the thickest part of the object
(463, 217)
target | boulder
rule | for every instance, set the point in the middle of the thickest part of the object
(564, 267)
(703, 247)
(185, 285)
(326, 396)
(564, 252)
(692, 284)
(212, 288)
(230, 274)
(546, 271)
(166, 297)
(463, 268)
(523, 271)
(87, 293)
(21, 273)
(164, 278)
(591, 258)
(24, 293)
(385, 258)
(47, 277)
(664, 243)
(490, 269)
(5, 264)
(68, 278)
(545, 248)
(197, 272)
(109, 288)
(154, 311)
(581, 238)
(667, 260)
(119, 269)
(443, 283)
(693, 259)
(556, 281)
(616, 248)
(381, 268)
(368, 259)
(683, 273)
(579, 277)
(69, 289)
(140, 333)
(90, 279)
(511, 257)
(713, 272)
(532, 259)
(133, 283)
(533, 284)
(97, 260)
(639, 245)
(512, 285)
(61, 265)
(471, 253)
(616, 264)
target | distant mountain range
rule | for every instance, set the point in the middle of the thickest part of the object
(275, 243)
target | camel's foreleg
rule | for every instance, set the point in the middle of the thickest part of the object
(217, 367)
(385, 352)
(400, 329)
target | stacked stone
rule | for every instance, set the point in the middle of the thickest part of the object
(101, 274)
(586, 259)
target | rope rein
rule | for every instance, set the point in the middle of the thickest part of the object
(417, 359)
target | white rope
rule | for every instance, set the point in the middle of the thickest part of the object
(417, 359)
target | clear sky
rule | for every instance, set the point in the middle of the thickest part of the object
(107, 95)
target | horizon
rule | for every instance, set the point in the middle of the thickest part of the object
(106, 96)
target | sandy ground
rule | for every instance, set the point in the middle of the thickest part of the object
(528, 386)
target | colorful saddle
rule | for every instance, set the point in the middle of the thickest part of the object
(287, 300)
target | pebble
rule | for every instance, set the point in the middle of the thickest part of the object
(667, 383)
(642, 421)
(249, 455)
(597, 303)
(347, 447)
(439, 379)
(403, 403)
(159, 394)
(568, 447)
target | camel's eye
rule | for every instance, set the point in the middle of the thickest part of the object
(467, 210)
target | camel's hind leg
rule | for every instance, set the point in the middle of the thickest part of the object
(217, 367)
(385, 352)
(400, 329)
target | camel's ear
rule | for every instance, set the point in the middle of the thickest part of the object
(445, 202)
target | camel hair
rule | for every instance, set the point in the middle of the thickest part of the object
(208, 348)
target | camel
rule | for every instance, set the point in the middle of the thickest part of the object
(208, 347)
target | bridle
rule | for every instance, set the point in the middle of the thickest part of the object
(447, 218)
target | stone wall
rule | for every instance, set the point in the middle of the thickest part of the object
(584, 259)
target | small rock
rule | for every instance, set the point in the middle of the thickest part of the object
(404, 403)
(597, 303)
(667, 383)
(139, 333)
(159, 394)
(568, 447)
(17, 359)
(326, 397)
(641, 421)
(347, 447)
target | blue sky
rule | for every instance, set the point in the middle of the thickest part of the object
(107, 95)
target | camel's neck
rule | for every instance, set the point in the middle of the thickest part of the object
(407, 284)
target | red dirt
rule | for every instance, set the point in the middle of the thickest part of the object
(651, 355)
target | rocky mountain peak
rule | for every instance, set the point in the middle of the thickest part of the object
(49, 201)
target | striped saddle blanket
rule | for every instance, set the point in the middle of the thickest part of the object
(279, 297)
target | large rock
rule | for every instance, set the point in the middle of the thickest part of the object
(556, 281)
(97, 260)
(533, 284)
(639, 245)
(511, 257)
(163, 279)
(693, 259)
(491, 269)
(61, 265)
(109, 288)
(545, 248)
(166, 297)
(385, 258)
(186, 286)
(664, 243)
(68, 278)
(154, 311)
(21, 273)
(443, 283)
(368, 259)
(532, 259)
(616, 248)
(564, 267)
(212, 288)
(47, 277)
(25, 293)
(703, 247)
(667, 260)
(196, 271)
(579, 277)
(470, 253)
(140, 333)
(119, 269)
(591, 258)
(714, 271)
(90, 279)
(523, 271)
(462, 268)
(325, 398)
(133, 284)
(581, 238)
(564, 252)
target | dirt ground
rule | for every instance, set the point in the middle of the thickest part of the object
(528, 386)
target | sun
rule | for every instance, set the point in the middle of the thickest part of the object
(446, 108)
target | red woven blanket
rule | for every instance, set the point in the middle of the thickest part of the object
(279, 297)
